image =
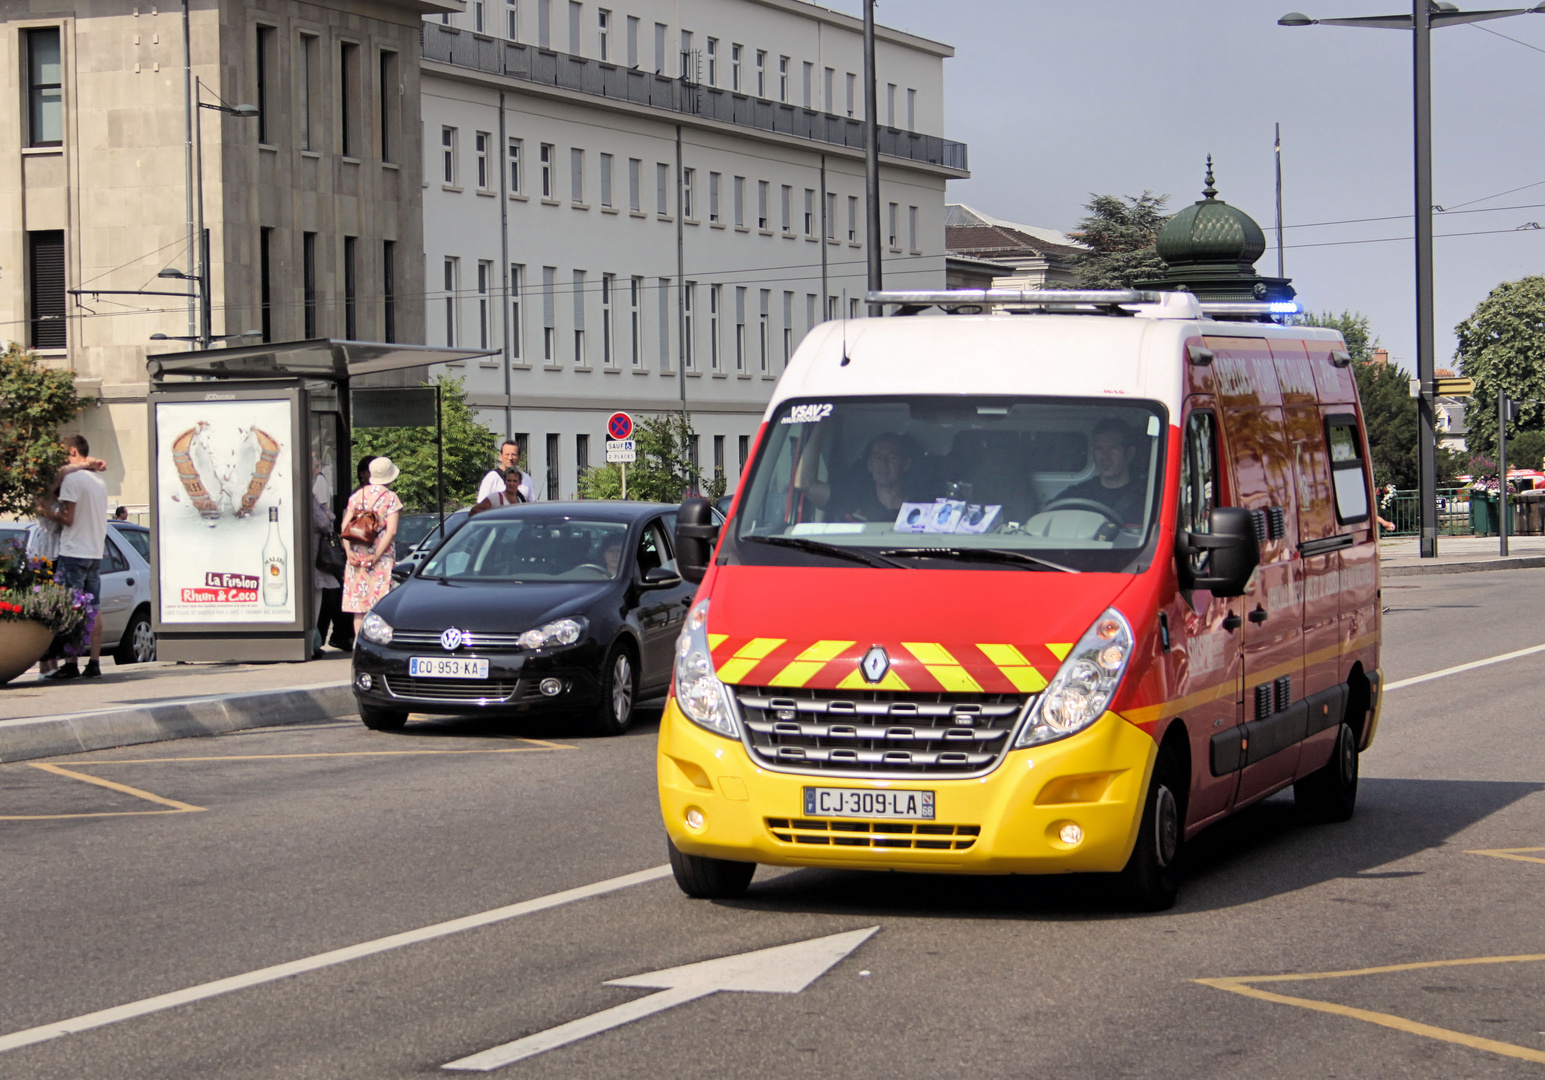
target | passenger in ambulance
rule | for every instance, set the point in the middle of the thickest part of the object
(873, 493)
(1116, 484)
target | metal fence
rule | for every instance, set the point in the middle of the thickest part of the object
(1404, 509)
(448, 45)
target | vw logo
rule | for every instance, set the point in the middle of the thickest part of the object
(875, 664)
(450, 640)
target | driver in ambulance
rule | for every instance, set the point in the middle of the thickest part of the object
(1113, 447)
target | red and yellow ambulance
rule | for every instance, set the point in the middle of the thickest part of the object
(1041, 589)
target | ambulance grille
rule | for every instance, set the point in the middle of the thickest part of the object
(919, 836)
(877, 732)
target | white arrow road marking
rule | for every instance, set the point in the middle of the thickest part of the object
(784, 969)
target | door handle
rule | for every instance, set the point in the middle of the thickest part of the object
(1232, 622)
(1258, 615)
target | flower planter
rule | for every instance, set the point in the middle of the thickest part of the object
(22, 644)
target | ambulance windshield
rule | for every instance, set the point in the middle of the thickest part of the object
(955, 482)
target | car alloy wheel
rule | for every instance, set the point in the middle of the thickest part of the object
(144, 642)
(622, 689)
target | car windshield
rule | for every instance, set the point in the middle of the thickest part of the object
(956, 482)
(411, 528)
(530, 549)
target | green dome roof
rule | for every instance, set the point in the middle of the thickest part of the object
(1211, 232)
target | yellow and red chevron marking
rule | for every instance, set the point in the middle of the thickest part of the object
(923, 666)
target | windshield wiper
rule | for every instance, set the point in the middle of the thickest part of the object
(800, 543)
(993, 555)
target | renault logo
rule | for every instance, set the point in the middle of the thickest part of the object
(450, 640)
(875, 664)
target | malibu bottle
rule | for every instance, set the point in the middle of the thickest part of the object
(276, 586)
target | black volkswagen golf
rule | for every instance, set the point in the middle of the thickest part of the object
(563, 607)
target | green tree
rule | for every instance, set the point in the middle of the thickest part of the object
(469, 451)
(1502, 347)
(1120, 234)
(663, 471)
(35, 401)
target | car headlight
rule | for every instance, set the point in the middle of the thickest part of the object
(699, 693)
(1081, 690)
(376, 629)
(557, 632)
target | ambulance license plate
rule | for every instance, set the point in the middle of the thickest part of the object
(447, 667)
(845, 802)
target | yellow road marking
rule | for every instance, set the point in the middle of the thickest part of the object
(1516, 853)
(321, 754)
(1241, 984)
(176, 807)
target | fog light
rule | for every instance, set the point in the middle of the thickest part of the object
(694, 818)
(364, 682)
(552, 687)
(1071, 835)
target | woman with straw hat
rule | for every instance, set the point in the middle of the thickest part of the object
(368, 576)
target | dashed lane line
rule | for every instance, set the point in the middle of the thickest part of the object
(119, 1013)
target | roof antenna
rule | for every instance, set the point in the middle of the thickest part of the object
(845, 357)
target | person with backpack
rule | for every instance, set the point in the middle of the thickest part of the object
(369, 527)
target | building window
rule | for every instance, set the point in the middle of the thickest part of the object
(581, 358)
(783, 78)
(735, 68)
(636, 321)
(809, 312)
(581, 455)
(744, 451)
(350, 289)
(552, 467)
(809, 88)
(659, 48)
(267, 65)
(308, 283)
(544, 24)
(512, 20)
(718, 459)
(689, 71)
(478, 17)
(852, 219)
(632, 41)
(45, 287)
(517, 327)
(689, 334)
(635, 169)
(852, 91)
(45, 88)
(606, 180)
(911, 109)
(891, 221)
(549, 315)
(545, 159)
(576, 16)
(608, 347)
(831, 215)
(664, 287)
(695, 459)
(687, 178)
(762, 187)
(577, 174)
(391, 102)
(603, 31)
(740, 330)
(513, 151)
(761, 73)
(713, 61)
(787, 206)
(485, 273)
(713, 198)
(448, 155)
(348, 99)
(389, 290)
(788, 327)
(480, 141)
(740, 202)
(912, 228)
(307, 78)
(715, 302)
(829, 90)
(266, 283)
(452, 272)
(764, 328)
(810, 213)
(890, 104)
(831, 308)
(662, 177)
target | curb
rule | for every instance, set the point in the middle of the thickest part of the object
(1522, 563)
(73, 733)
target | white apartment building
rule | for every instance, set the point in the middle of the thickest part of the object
(632, 199)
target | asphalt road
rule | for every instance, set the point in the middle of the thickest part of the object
(274, 846)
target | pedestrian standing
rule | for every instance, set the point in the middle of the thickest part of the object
(368, 576)
(322, 580)
(82, 514)
(509, 495)
(493, 480)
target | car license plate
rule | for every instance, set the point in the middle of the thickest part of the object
(845, 802)
(447, 667)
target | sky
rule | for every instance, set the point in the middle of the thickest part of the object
(1058, 99)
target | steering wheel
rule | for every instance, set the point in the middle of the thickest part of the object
(1084, 504)
(593, 566)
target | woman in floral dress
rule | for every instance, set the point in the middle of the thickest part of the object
(368, 576)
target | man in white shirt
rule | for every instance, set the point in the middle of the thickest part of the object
(82, 513)
(509, 458)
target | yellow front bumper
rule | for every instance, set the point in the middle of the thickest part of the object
(1007, 822)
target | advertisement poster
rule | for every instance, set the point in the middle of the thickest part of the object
(225, 519)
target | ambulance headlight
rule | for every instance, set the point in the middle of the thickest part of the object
(1083, 687)
(699, 693)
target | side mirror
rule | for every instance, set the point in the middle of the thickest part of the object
(1232, 550)
(661, 577)
(402, 571)
(696, 535)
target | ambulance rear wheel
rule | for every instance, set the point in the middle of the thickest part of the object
(710, 879)
(1151, 879)
(1330, 793)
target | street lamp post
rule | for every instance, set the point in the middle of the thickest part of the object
(1426, 15)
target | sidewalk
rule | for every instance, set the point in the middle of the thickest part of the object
(141, 703)
(1459, 554)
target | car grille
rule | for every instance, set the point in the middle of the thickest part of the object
(465, 691)
(872, 732)
(470, 639)
(874, 834)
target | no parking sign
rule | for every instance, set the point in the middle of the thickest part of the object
(619, 427)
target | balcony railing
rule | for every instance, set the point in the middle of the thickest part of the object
(448, 45)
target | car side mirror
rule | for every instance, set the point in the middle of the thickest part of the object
(661, 577)
(402, 571)
(696, 535)
(1232, 549)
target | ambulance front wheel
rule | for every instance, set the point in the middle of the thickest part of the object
(1151, 879)
(1330, 793)
(704, 878)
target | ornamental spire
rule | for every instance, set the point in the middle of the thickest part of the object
(1210, 191)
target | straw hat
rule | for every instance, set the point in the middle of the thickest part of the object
(382, 471)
